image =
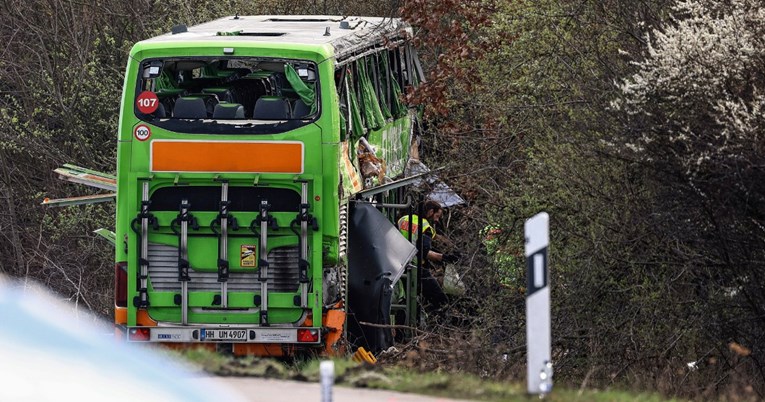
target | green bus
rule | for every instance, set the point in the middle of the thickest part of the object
(254, 155)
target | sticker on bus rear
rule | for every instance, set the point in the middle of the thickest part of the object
(142, 132)
(147, 102)
(248, 256)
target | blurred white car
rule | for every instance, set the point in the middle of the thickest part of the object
(48, 352)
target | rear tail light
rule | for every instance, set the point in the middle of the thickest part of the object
(139, 334)
(308, 335)
(120, 284)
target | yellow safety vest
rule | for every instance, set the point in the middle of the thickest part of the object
(404, 227)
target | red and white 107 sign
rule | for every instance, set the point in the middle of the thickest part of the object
(147, 102)
(142, 132)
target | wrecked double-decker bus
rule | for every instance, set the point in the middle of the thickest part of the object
(254, 154)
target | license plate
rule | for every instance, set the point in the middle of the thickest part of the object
(224, 335)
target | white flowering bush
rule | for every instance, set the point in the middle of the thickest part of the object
(698, 95)
(693, 114)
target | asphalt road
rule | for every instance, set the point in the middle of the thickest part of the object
(269, 390)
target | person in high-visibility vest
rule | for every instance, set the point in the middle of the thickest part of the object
(432, 211)
(506, 259)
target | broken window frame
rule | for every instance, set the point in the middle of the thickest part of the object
(209, 125)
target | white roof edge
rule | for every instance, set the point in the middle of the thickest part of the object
(296, 29)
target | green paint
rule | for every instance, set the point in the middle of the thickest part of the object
(321, 168)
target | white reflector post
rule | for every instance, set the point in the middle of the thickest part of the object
(539, 365)
(327, 374)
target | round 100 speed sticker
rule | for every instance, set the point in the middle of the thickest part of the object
(142, 132)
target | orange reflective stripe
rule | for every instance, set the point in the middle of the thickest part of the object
(405, 226)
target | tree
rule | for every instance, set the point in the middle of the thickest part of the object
(694, 118)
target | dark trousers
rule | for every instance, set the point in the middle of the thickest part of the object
(435, 298)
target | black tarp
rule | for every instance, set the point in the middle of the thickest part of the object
(377, 256)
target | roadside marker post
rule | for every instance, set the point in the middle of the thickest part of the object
(538, 356)
(327, 374)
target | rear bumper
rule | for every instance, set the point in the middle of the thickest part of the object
(227, 334)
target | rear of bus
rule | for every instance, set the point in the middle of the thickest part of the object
(227, 215)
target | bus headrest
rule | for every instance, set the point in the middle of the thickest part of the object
(271, 108)
(190, 108)
(228, 111)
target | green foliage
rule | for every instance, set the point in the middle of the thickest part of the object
(656, 261)
(636, 282)
(396, 378)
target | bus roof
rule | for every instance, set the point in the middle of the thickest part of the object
(345, 34)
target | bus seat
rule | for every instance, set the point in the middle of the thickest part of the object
(190, 108)
(271, 108)
(301, 109)
(228, 111)
(161, 113)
